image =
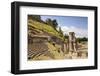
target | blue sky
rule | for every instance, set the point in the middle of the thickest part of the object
(76, 24)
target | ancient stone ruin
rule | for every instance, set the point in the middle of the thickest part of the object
(72, 43)
(37, 45)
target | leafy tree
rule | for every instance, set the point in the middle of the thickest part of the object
(52, 23)
(49, 22)
(66, 36)
(35, 17)
(61, 32)
(55, 24)
(82, 39)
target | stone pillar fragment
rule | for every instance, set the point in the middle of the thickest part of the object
(72, 41)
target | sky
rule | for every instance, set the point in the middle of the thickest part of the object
(76, 24)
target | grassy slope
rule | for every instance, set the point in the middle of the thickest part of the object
(54, 51)
(47, 28)
(39, 26)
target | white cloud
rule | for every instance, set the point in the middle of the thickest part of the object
(79, 32)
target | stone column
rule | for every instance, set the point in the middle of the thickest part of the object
(72, 41)
(65, 48)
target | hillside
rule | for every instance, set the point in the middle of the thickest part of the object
(43, 50)
(42, 27)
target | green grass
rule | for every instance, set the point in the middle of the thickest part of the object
(47, 28)
(54, 50)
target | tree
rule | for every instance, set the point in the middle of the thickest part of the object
(66, 36)
(52, 23)
(34, 17)
(61, 32)
(49, 21)
(55, 24)
(82, 39)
